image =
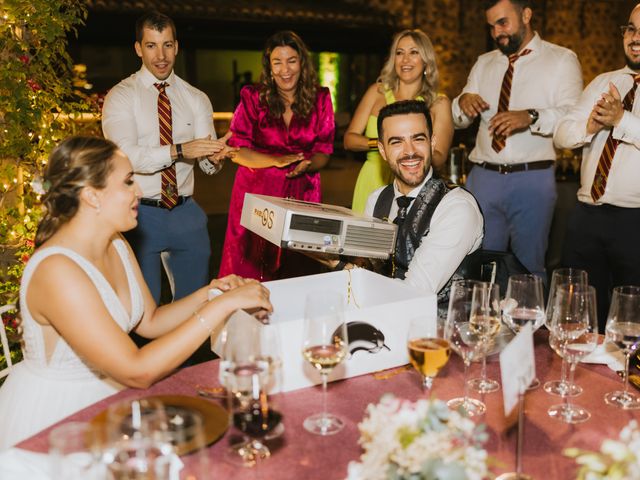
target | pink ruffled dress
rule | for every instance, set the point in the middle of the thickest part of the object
(245, 253)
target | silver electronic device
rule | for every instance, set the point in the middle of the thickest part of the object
(317, 227)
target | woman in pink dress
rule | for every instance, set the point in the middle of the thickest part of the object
(283, 129)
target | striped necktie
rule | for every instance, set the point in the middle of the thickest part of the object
(498, 141)
(169, 185)
(606, 157)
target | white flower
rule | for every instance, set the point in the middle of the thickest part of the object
(421, 439)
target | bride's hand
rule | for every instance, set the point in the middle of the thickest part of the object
(251, 296)
(229, 282)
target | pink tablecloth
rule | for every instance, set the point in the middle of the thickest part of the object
(300, 455)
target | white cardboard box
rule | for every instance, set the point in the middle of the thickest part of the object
(386, 304)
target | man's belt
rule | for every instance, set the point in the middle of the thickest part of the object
(516, 167)
(151, 202)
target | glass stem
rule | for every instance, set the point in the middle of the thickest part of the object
(426, 383)
(627, 356)
(567, 398)
(483, 371)
(466, 386)
(324, 395)
(563, 371)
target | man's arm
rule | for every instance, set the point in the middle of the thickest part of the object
(456, 230)
(566, 96)
(578, 127)
(119, 125)
(469, 104)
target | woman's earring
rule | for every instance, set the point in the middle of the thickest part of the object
(425, 72)
(97, 208)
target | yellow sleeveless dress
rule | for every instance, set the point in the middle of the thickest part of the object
(375, 171)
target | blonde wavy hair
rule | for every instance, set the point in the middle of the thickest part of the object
(430, 80)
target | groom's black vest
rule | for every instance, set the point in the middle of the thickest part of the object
(416, 225)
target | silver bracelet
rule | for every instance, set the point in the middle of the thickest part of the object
(203, 322)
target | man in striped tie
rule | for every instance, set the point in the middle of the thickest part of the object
(519, 91)
(603, 234)
(165, 126)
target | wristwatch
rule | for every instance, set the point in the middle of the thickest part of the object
(533, 115)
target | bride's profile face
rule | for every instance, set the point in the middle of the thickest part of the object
(120, 198)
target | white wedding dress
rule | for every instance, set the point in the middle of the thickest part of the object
(37, 392)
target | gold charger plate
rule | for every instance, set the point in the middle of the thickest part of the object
(215, 418)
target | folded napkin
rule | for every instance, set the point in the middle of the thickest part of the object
(606, 354)
(18, 463)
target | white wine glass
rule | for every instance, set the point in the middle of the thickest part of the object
(324, 346)
(575, 326)
(463, 341)
(484, 322)
(524, 304)
(562, 276)
(623, 330)
(428, 351)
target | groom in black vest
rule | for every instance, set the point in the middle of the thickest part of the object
(438, 223)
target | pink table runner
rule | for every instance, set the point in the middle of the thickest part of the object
(301, 455)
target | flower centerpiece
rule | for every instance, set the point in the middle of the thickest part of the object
(616, 460)
(421, 440)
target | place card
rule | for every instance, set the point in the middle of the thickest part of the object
(517, 367)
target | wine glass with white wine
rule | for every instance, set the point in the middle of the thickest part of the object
(428, 351)
(324, 346)
(484, 322)
(463, 341)
(623, 330)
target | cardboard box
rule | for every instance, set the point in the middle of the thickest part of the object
(384, 303)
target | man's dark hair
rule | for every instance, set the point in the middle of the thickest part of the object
(155, 21)
(522, 4)
(404, 107)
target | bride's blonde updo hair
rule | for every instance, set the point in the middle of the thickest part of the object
(76, 163)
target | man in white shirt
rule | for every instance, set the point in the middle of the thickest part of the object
(603, 234)
(520, 91)
(437, 225)
(165, 125)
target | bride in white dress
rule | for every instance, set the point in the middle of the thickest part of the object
(82, 292)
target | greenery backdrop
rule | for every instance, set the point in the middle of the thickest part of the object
(38, 107)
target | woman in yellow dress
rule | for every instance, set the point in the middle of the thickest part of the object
(409, 73)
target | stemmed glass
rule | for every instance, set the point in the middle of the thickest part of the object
(485, 323)
(623, 330)
(428, 351)
(524, 304)
(136, 441)
(562, 276)
(575, 327)
(463, 340)
(324, 346)
(252, 415)
(247, 377)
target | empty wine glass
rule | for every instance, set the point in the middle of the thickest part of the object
(524, 304)
(75, 452)
(562, 276)
(575, 326)
(135, 440)
(623, 330)
(324, 347)
(428, 351)
(464, 341)
(484, 322)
